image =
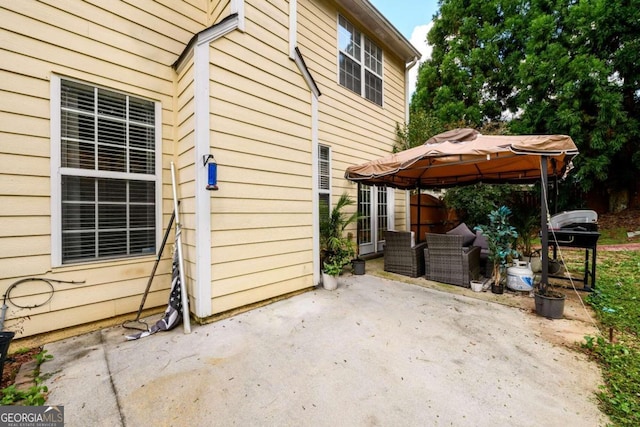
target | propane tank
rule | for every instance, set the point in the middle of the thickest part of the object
(520, 276)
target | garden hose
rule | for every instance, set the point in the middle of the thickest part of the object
(7, 294)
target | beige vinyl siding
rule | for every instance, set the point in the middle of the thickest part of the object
(261, 137)
(122, 46)
(356, 129)
(217, 10)
(260, 134)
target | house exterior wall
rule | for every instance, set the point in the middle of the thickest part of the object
(217, 10)
(127, 47)
(356, 130)
(261, 137)
(260, 114)
(262, 226)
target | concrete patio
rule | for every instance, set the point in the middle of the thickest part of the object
(373, 352)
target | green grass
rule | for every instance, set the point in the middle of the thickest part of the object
(615, 236)
(616, 303)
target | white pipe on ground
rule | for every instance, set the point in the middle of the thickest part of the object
(186, 322)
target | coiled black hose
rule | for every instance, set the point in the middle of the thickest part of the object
(7, 294)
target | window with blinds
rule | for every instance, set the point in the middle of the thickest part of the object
(108, 178)
(324, 179)
(360, 62)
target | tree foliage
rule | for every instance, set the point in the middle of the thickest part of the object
(475, 202)
(421, 127)
(545, 66)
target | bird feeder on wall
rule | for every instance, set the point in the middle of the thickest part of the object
(212, 172)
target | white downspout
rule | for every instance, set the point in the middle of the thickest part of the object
(314, 188)
(294, 55)
(237, 6)
(293, 28)
(409, 66)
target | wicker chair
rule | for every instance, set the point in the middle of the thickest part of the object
(402, 258)
(447, 261)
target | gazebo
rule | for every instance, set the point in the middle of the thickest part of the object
(464, 157)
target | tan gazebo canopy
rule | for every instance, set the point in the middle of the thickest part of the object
(464, 156)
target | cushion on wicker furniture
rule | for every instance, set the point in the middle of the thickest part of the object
(400, 256)
(448, 261)
(462, 230)
(483, 244)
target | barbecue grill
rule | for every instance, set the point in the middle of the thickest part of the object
(577, 229)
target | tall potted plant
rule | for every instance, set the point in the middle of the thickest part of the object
(527, 223)
(500, 235)
(337, 250)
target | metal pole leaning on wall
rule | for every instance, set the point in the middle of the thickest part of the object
(186, 322)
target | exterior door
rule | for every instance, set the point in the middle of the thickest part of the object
(375, 207)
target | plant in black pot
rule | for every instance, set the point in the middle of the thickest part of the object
(336, 249)
(500, 235)
(358, 265)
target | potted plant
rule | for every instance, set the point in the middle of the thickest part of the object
(358, 265)
(500, 235)
(527, 224)
(336, 249)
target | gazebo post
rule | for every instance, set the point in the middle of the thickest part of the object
(419, 216)
(544, 229)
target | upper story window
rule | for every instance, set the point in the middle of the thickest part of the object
(106, 194)
(360, 62)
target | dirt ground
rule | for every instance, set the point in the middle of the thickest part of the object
(12, 364)
(628, 219)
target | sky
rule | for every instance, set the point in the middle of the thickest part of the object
(413, 19)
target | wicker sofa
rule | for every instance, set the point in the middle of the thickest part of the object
(401, 255)
(448, 261)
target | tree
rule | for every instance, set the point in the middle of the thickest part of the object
(474, 203)
(546, 66)
(420, 128)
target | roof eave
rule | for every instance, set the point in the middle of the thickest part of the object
(370, 18)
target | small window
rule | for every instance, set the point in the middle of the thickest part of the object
(107, 174)
(324, 179)
(360, 62)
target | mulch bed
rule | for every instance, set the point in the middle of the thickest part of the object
(12, 365)
(629, 219)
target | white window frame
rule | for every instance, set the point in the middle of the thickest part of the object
(376, 243)
(57, 172)
(324, 191)
(362, 61)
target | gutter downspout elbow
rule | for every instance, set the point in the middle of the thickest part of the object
(408, 67)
